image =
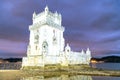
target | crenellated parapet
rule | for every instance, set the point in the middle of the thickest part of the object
(47, 17)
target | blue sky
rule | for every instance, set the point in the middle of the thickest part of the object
(88, 23)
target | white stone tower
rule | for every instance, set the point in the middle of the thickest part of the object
(46, 43)
(46, 34)
(46, 37)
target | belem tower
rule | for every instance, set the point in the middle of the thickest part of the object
(47, 44)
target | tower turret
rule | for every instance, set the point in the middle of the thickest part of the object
(88, 52)
(82, 52)
(46, 10)
(67, 48)
(34, 15)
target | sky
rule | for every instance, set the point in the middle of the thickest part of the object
(88, 23)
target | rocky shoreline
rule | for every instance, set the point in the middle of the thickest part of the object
(57, 71)
(18, 74)
(50, 70)
(90, 72)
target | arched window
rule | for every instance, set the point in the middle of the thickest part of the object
(36, 39)
(54, 37)
(45, 47)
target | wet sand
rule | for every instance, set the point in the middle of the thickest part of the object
(10, 74)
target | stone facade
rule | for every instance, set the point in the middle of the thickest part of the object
(46, 43)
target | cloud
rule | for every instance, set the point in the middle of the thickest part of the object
(94, 24)
(12, 46)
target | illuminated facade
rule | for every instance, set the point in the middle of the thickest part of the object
(46, 43)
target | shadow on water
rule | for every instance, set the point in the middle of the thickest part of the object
(61, 77)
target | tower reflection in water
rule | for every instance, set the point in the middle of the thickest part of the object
(62, 77)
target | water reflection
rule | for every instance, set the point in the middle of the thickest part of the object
(61, 77)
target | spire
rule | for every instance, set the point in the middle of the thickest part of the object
(67, 49)
(56, 14)
(34, 14)
(46, 9)
(67, 44)
(88, 49)
(82, 51)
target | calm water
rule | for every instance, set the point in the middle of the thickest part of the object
(109, 66)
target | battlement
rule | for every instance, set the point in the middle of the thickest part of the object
(47, 16)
